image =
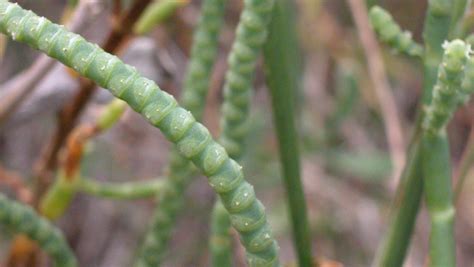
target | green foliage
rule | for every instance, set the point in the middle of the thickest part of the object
(250, 37)
(180, 170)
(436, 157)
(121, 191)
(407, 201)
(436, 31)
(193, 140)
(156, 14)
(22, 219)
(389, 32)
(447, 91)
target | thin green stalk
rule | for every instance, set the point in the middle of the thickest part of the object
(156, 13)
(121, 191)
(193, 140)
(180, 170)
(59, 196)
(22, 219)
(250, 36)
(436, 157)
(407, 200)
(221, 240)
(283, 70)
(438, 196)
(404, 209)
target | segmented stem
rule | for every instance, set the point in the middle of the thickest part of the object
(391, 33)
(448, 89)
(180, 170)
(193, 140)
(408, 197)
(436, 160)
(22, 219)
(250, 37)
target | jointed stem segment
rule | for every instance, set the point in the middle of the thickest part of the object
(193, 140)
(22, 219)
(180, 170)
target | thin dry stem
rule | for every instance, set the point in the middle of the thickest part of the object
(392, 123)
(14, 181)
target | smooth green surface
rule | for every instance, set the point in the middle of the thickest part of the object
(157, 13)
(439, 200)
(283, 70)
(22, 219)
(59, 196)
(404, 211)
(121, 191)
(192, 139)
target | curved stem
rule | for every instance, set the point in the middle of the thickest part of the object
(22, 219)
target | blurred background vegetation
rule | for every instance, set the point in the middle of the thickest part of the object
(346, 162)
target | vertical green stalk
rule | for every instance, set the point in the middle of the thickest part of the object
(407, 201)
(251, 35)
(180, 170)
(438, 196)
(22, 219)
(283, 70)
(436, 157)
(221, 241)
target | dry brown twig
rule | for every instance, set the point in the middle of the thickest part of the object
(14, 181)
(17, 89)
(392, 123)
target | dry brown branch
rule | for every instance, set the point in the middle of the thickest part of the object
(17, 89)
(392, 123)
(14, 181)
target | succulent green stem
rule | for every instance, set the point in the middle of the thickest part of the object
(390, 32)
(436, 157)
(121, 191)
(251, 34)
(22, 219)
(180, 170)
(407, 201)
(193, 140)
(55, 202)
